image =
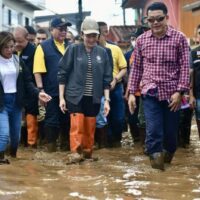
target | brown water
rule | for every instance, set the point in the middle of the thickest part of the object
(119, 174)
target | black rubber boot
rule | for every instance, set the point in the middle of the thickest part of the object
(64, 138)
(135, 133)
(157, 160)
(13, 152)
(52, 136)
(168, 157)
(3, 160)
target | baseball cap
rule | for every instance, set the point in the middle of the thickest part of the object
(89, 26)
(58, 21)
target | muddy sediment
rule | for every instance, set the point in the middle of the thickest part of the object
(119, 174)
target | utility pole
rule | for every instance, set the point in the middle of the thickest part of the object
(80, 16)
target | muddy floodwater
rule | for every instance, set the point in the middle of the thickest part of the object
(119, 174)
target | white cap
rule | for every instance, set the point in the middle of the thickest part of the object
(89, 26)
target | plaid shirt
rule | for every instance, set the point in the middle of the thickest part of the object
(160, 63)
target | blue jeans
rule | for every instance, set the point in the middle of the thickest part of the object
(161, 126)
(101, 120)
(116, 116)
(10, 122)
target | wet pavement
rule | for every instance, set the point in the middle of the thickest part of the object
(119, 174)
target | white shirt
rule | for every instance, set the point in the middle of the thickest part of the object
(8, 75)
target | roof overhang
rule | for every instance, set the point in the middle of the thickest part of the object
(71, 17)
(133, 4)
(30, 4)
(192, 6)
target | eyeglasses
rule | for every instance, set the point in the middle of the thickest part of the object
(61, 28)
(158, 19)
(40, 38)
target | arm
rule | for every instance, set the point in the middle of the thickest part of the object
(38, 80)
(192, 99)
(183, 82)
(107, 79)
(135, 77)
(184, 63)
(30, 87)
(122, 67)
(107, 102)
(39, 66)
(65, 66)
(62, 103)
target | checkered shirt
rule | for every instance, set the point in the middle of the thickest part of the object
(161, 63)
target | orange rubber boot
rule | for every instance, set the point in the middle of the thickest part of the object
(76, 132)
(88, 137)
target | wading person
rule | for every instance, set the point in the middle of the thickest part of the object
(195, 86)
(84, 77)
(45, 69)
(15, 82)
(26, 50)
(116, 116)
(161, 70)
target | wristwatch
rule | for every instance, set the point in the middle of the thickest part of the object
(107, 99)
(40, 88)
(181, 92)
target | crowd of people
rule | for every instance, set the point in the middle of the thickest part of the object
(77, 92)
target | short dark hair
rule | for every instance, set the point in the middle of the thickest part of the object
(30, 30)
(41, 31)
(157, 6)
(102, 24)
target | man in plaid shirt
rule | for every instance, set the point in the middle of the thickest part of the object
(161, 71)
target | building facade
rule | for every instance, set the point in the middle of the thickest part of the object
(184, 15)
(18, 12)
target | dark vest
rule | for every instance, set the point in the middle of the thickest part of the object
(52, 57)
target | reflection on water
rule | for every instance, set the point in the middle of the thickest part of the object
(119, 174)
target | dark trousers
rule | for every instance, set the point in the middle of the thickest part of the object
(116, 116)
(55, 121)
(185, 126)
(161, 126)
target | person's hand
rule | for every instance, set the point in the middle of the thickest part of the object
(44, 98)
(113, 83)
(131, 103)
(106, 108)
(62, 105)
(175, 101)
(126, 95)
(192, 101)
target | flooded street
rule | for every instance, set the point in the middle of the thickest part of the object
(119, 174)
